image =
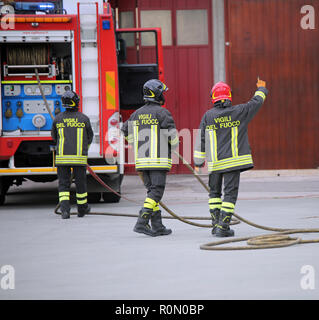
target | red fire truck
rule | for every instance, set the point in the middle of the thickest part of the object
(83, 51)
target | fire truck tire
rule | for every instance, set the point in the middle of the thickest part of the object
(109, 197)
(94, 197)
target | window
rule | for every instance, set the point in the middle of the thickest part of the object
(157, 19)
(192, 27)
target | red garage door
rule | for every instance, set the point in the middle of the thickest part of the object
(267, 39)
(188, 63)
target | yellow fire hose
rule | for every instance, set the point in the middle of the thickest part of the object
(275, 240)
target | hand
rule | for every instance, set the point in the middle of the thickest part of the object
(198, 170)
(261, 83)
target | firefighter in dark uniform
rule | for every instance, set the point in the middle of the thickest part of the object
(152, 132)
(72, 134)
(223, 142)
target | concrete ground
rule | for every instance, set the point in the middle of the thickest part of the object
(100, 257)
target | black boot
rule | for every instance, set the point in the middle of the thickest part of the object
(215, 218)
(83, 210)
(222, 229)
(65, 214)
(65, 209)
(142, 224)
(157, 225)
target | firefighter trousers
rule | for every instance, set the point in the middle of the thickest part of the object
(154, 181)
(231, 186)
(64, 177)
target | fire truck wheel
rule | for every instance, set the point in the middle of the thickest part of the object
(109, 197)
(94, 197)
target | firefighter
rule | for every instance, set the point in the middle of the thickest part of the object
(72, 134)
(151, 130)
(223, 142)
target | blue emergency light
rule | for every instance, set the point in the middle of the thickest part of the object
(34, 6)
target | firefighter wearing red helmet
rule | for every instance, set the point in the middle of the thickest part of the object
(151, 129)
(72, 133)
(223, 142)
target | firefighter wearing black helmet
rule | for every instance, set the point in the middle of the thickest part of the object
(152, 132)
(72, 134)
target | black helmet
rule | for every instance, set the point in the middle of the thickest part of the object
(153, 91)
(70, 100)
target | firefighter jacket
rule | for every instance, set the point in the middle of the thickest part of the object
(72, 134)
(152, 132)
(223, 137)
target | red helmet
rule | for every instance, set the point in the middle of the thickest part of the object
(220, 91)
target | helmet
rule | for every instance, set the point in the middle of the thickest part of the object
(220, 91)
(153, 91)
(70, 100)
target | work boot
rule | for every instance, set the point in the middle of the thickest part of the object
(157, 225)
(222, 229)
(82, 211)
(142, 224)
(215, 218)
(65, 214)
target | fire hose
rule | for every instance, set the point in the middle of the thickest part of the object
(279, 239)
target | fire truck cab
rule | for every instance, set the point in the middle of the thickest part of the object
(82, 51)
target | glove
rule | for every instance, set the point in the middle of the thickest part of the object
(261, 83)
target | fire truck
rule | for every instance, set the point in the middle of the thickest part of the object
(84, 51)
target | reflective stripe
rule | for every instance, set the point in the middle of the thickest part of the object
(260, 94)
(199, 155)
(154, 141)
(81, 195)
(215, 203)
(63, 198)
(61, 141)
(135, 132)
(64, 193)
(234, 141)
(230, 163)
(156, 208)
(79, 141)
(149, 203)
(228, 207)
(213, 144)
(81, 201)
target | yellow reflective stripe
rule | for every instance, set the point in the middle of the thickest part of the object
(230, 162)
(156, 208)
(228, 205)
(79, 141)
(135, 132)
(81, 201)
(234, 141)
(64, 193)
(214, 200)
(199, 155)
(61, 141)
(81, 195)
(213, 144)
(154, 141)
(260, 94)
(63, 198)
(151, 201)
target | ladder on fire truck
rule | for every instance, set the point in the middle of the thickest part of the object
(89, 69)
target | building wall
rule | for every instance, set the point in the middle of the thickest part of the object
(267, 40)
(246, 39)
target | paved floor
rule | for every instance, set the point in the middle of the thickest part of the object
(100, 257)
